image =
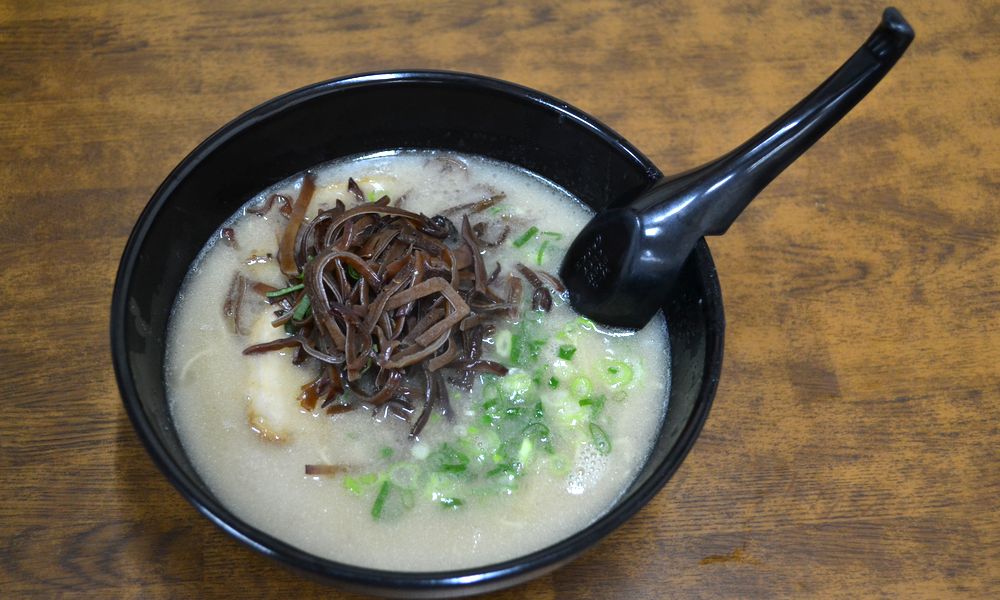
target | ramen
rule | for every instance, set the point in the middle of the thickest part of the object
(373, 362)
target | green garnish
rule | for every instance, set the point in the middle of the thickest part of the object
(581, 387)
(541, 252)
(600, 438)
(383, 494)
(618, 373)
(287, 290)
(516, 384)
(566, 351)
(357, 485)
(503, 342)
(386, 452)
(301, 309)
(526, 237)
(596, 404)
(553, 234)
(448, 460)
(553, 382)
(450, 502)
(353, 273)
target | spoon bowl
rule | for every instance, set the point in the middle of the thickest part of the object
(624, 263)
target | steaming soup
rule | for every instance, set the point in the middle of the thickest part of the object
(401, 392)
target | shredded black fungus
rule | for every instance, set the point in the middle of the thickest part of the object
(391, 301)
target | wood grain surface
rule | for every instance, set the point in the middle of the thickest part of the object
(852, 450)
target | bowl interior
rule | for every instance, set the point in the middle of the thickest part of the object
(365, 114)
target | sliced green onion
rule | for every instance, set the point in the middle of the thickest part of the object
(540, 431)
(541, 252)
(553, 234)
(534, 349)
(448, 460)
(287, 290)
(386, 452)
(516, 345)
(525, 451)
(503, 341)
(357, 485)
(447, 502)
(596, 404)
(526, 237)
(404, 475)
(601, 440)
(353, 273)
(301, 309)
(566, 351)
(553, 382)
(581, 387)
(383, 494)
(618, 373)
(516, 384)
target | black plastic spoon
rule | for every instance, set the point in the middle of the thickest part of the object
(621, 267)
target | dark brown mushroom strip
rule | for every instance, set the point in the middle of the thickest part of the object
(479, 267)
(430, 395)
(354, 188)
(233, 305)
(477, 206)
(480, 230)
(541, 298)
(286, 246)
(291, 342)
(279, 344)
(514, 292)
(450, 163)
(263, 289)
(229, 237)
(446, 357)
(486, 366)
(265, 207)
(553, 281)
(321, 470)
(406, 359)
(494, 275)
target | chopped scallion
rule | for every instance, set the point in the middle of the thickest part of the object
(618, 373)
(301, 309)
(503, 342)
(447, 502)
(601, 440)
(287, 290)
(526, 237)
(383, 494)
(566, 351)
(541, 252)
(581, 387)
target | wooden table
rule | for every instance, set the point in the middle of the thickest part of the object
(852, 448)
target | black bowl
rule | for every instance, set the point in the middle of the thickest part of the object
(362, 114)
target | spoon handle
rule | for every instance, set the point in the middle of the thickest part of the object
(715, 194)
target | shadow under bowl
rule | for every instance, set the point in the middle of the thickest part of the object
(364, 114)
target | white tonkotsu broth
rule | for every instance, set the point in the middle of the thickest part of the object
(228, 407)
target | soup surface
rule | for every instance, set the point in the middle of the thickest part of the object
(520, 461)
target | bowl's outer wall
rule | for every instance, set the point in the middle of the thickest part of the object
(368, 114)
